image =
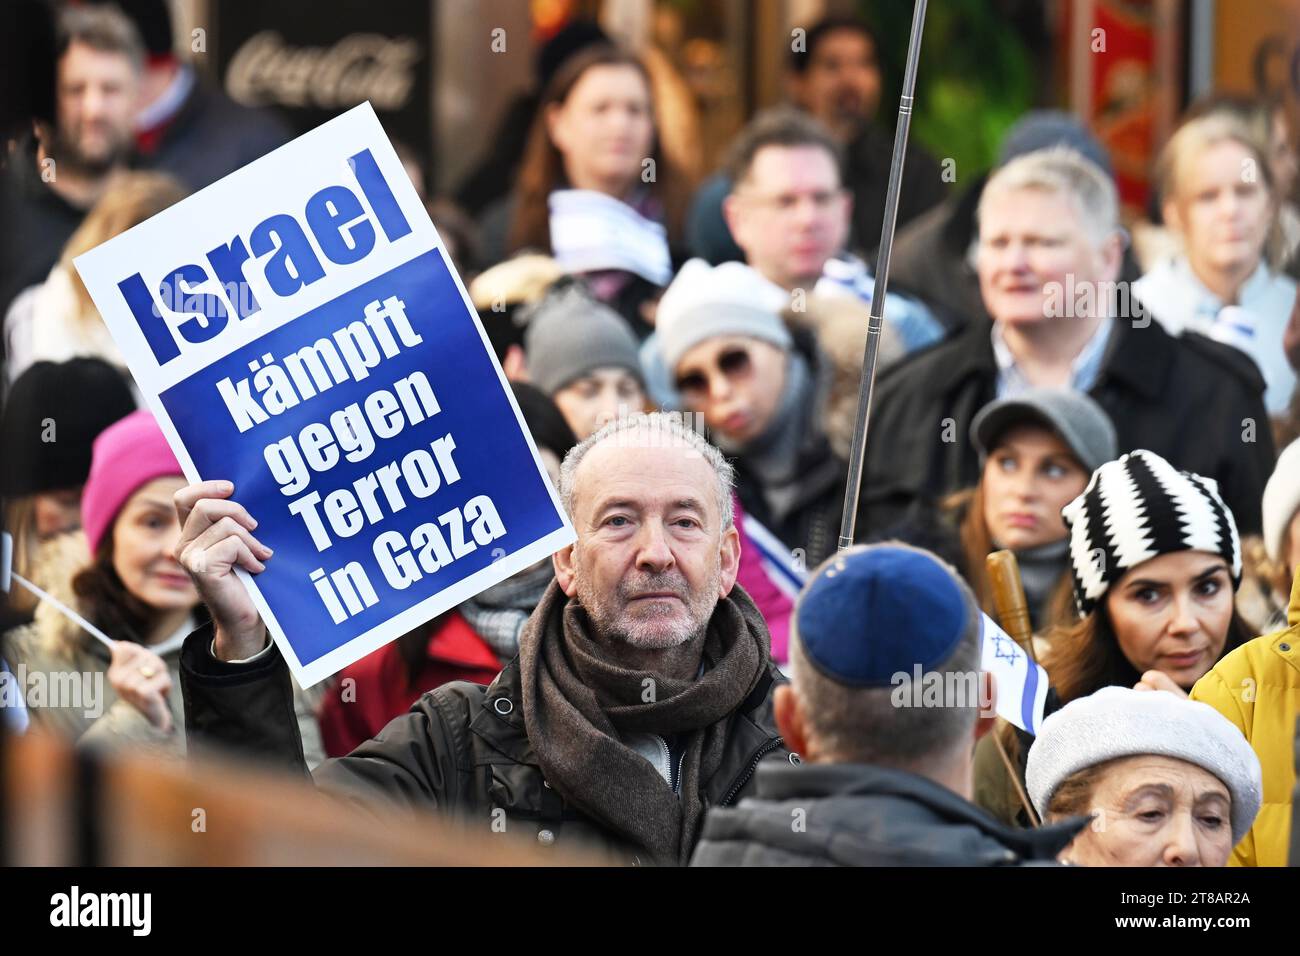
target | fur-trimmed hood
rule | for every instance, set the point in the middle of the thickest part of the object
(52, 635)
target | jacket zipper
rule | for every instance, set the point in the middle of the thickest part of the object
(668, 758)
(763, 751)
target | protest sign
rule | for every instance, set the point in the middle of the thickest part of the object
(296, 328)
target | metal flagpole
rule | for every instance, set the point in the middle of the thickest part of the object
(877, 318)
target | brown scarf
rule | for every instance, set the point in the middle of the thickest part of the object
(577, 705)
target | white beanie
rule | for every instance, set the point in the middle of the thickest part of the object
(706, 301)
(1281, 499)
(1122, 722)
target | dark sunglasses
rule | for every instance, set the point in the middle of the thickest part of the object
(733, 363)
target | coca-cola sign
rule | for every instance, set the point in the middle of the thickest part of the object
(286, 55)
(360, 67)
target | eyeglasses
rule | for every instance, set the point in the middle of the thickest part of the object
(734, 364)
(822, 201)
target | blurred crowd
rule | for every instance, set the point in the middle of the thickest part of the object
(1114, 402)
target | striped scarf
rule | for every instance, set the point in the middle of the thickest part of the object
(498, 614)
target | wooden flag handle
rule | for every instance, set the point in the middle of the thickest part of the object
(1014, 776)
(1009, 600)
(1013, 614)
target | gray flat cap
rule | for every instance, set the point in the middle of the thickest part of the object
(1074, 416)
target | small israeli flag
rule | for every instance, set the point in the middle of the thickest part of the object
(787, 574)
(1021, 683)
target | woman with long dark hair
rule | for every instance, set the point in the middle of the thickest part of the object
(595, 130)
(596, 190)
(1156, 561)
(1037, 450)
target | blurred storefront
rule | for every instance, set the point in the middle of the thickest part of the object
(1256, 49)
(1133, 65)
(444, 74)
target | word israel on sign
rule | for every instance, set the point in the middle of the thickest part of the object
(1021, 683)
(297, 330)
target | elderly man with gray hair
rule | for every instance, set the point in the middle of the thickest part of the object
(1048, 257)
(885, 707)
(640, 696)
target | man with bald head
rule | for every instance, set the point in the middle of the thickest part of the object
(642, 690)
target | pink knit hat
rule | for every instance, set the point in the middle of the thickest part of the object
(127, 454)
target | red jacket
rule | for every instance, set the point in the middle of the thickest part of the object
(377, 688)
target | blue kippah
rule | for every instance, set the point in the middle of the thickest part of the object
(877, 611)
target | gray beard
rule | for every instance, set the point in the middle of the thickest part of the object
(604, 615)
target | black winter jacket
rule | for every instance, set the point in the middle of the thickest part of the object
(462, 749)
(1187, 399)
(38, 223)
(197, 148)
(860, 815)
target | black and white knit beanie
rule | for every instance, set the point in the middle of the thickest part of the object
(1139, 507)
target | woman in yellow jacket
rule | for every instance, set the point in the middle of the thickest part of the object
(1257, 687)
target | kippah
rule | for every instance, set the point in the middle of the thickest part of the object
(876, 611)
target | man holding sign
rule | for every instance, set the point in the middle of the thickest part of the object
(304, 345)
(297, 331)
(642, 690)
